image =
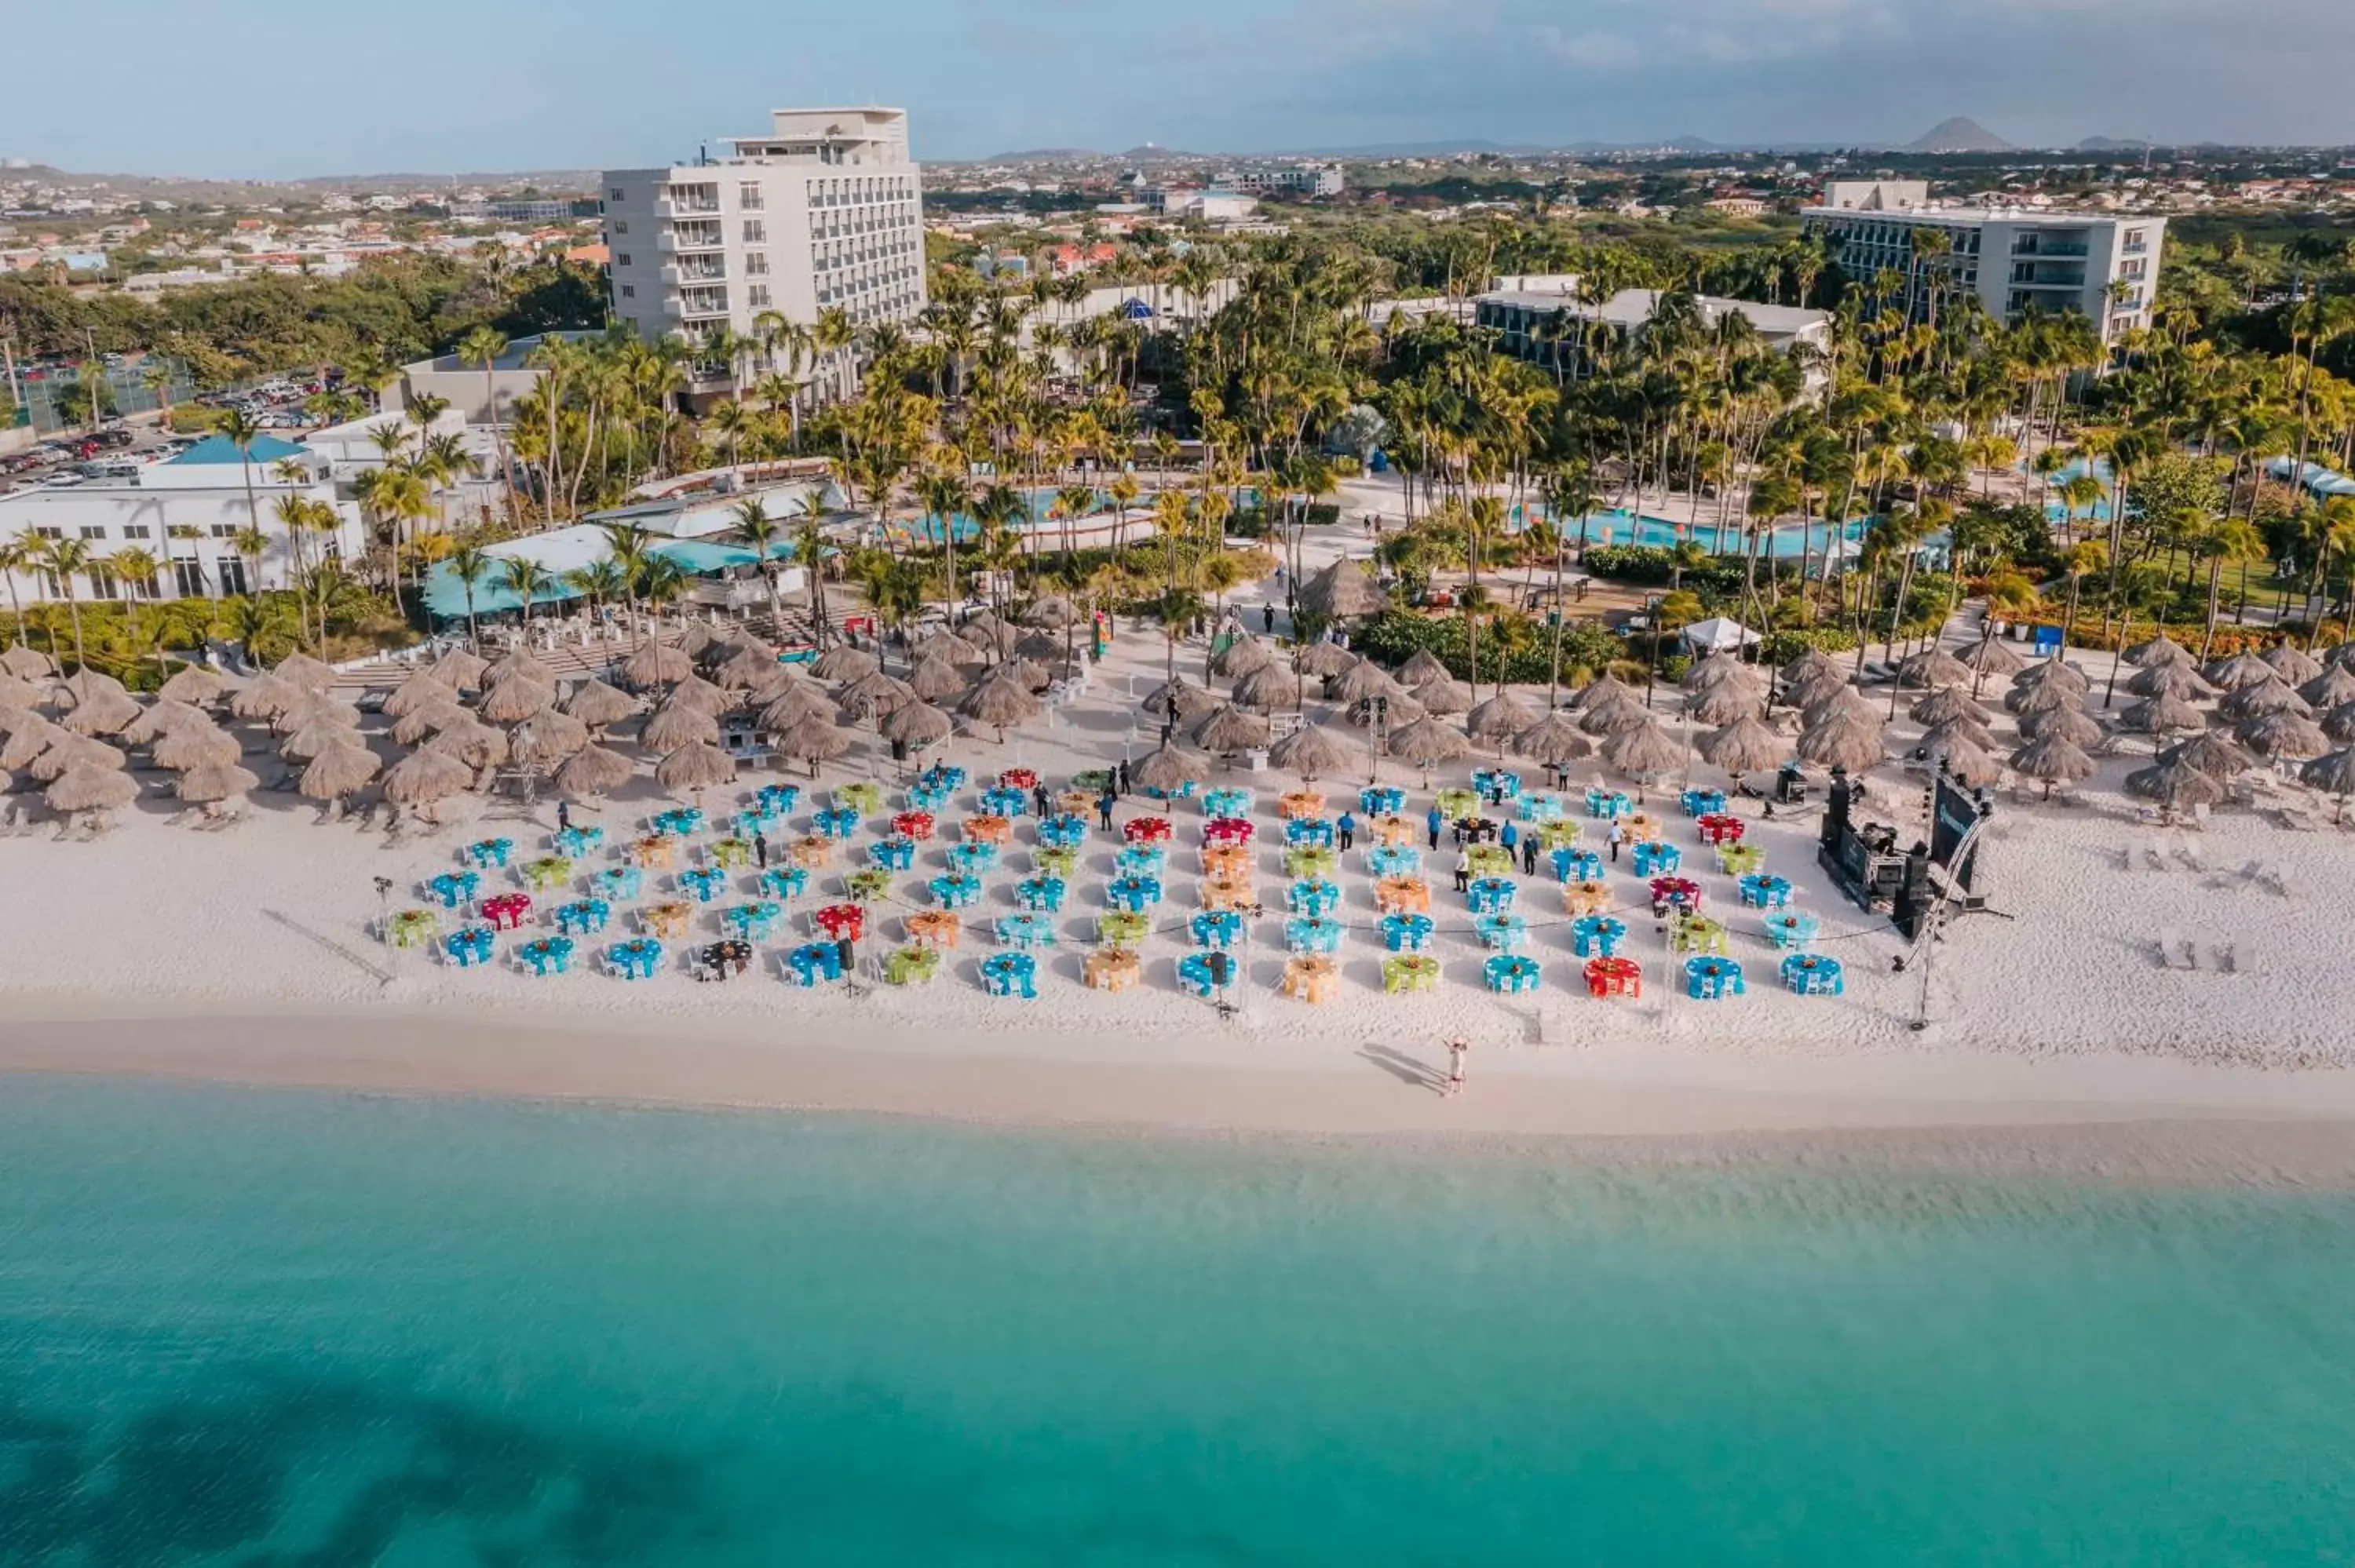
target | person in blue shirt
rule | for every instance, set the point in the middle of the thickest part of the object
(1434, 822)
(1509, 836)
(1346, 830)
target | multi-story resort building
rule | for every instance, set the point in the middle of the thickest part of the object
(824, 211)
(2015, 261)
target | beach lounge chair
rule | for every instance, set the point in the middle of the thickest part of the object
(2173, 950)
(2228, 956)
(2274, 882)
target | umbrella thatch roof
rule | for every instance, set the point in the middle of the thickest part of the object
(160, 718)
(1970, 764)
(16, 692)
(216, 782)
(676, 723)
(421, 777)
(106, 712)
(794, 705)
(1032, 676)
(1815, 690)
(2338, 724)
(1990, 657)
(413, 727)
(2211, 753)
(2158, 653)
(29, 663)
(700, 639)
(1945, 704)
(739, 642)
(1232, 729)
(91, 790)
(1054, 612)
(1844, 740)
(2074, 726)
(2291, 662)
(1500, 716)
(1645, 749)
(29, 738)
(265, 698)
(1324, 660)
(948, 645)
(475, 744)
(2159, 714)
(744, 669)
(15, 718)
(2289, 735)
(2333, 774)
(1040, 646)
(1429, 740)
(317, 708)
(1614, 717)
(1608, 689)
(71, 751)
(459, 670)
(777, 683)
(192, 684)
(1243, 656)
(1269, 685)
(341, 770)
(2258, 698)
(2175, 785)
(1443, 694)
(1313, 752)
(876, 692)
(999, 701)
(935, 677)
(597, 705)
(1934, 667)
(520, 663)
(1552, 740)
(2240, 670)
(302, 670)
(2329, 689)
(593, 771)
(697, 693)
(1957, 732)
(1180, 699)
(2043, 696)
(314, 740)
(1363, 680)
(1811, 665)
(1424, 665)
(2050, 759)
(814, 740)
(2170, 680)
(844, 662)
(1167, 769)
(917, 724)
(194, 748)
(422, 690)
(2053, 671)
(1342, 590)
(1713, 670)
(546, 740)
(656, 665)
(83, 684)
(984, 631)
(696, 767)
(1722, 703)
(515, 699)
(1748, 745)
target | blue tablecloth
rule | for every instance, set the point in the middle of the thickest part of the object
(706, 884)
(1608, 804)
(1028, 930)
(1653, 858)
(1577, 864)
(785, 881)
(1541, 809)
(1311, 934)
(970, 855)
(1494, 782)
(1512, 974)
(1041, 893)
(619, 882)
(1226, 802)
(1216, 929)
(1142, 860)
(892, 854)
(1597, 936)
(574, 842)
(1381, 800)
(490, 852)
(1000, 801)
(956, 891)
(1314, 895)
(637, 959)
(752, 921)
(1762, 891)
(586, 916)
(1490, 894)
(1711, 979)
(547, 953)
(1810, 974)
(1406, 933)
(1308, 833)
(1393, 860)
(1703, 802)
(1010, 974)
(1502, 933)
(470, 947)
(780, 800)
(1063, 832)
(1133, 893)
(814, 961)
(454, 887)
(835, 822)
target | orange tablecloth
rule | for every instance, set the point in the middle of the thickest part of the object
(934, 928)
(1401, 894)
(1228, 892)
(1113, 969)
(1312, 980)
(654, 853)
(1393, 831)
(1586, 897)
(1076, 803)
(1227, 860)
(814, 851)
(1302, 803)
(987, 830)
(666, 920)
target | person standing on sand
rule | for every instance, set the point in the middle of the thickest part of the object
(1464, 871)
(1457, 1048)
(1345, 830)
(1509, 836)
(564, 816)
(1434, 822)
(761, 847)
(1618, 836)
(1125, 787)
(1038, 800)
(1104, 803)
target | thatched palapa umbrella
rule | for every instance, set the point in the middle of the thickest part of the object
(193, 747)
(2291, 662)
(160, 718)
(1970, 764)
(2175, 785)
(744, 669)
(426, 779)
(1232, 729)
(422, 690)
(1990, 657)
(1342, 591)
(2240, 670)
(2052, 760)
(106, 712)
(692, 769)
(844, 662)
(30, 738)
(339, 773)
(1168, 769)
(1945, 704)
(215, 783)
(1721, 703)
(1429, 741)
(1363, 682)
(814, 741)
(317, 739)
(934, 678)
(2174, 680)
(2042, 696)
(2053, 672)
(1554, 740)
(2331, 689)
(1811, 665)
(83, 685)
(27, 663)
(697, 693)
(2333, 775)
(302, 670)
(1444, 696)
(876, 692)
(546, 740)
(1271, 685)
(1500, 717)
(1311, 751)
(1748, 745)
(1608, 689)
(597, 705)
(795, 705)
(265, 698)
(948, 645)
(418, 724)
(2161, 715)
(520, 663)
(515, 700)
(917, 725)
(593, 772)
(1424, 665)
(2338, 724)
(655, 664)
(1844, 740)
(2259, 698)
(1712, 670)
(478, 745)
(999, 701)
(1934, 667)
(1324, 660)
(1243, 656)
(1614, 717)
(1958, 732)
(16, 692)
(2075, 726)
(2214, 753)
(1180, 699)
(675, 724)
(90, 790)
(73, 751)
(2157, 653)
(2289, 737)
(1643, 751)
(459, 670)
(316, 707)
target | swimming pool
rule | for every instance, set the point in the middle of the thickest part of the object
(1040, 506)
(1621, 526)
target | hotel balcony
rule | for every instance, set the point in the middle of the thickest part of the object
(688, 207)
(696, 269)
(689, 237)
(2033, 245)
(697, 304)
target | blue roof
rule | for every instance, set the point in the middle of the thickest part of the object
(445, 596)
(221, 450)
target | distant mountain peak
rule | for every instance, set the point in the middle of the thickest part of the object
(1958, 135)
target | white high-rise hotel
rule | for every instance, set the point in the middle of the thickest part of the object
(826, 210)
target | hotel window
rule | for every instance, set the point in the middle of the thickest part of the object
(188, 576)
(616, 194)
(224, 530)
(104, 585)
(756, 232)
(50, 533)
(90, 532)
(748, 196)
(229, 571)
(757, 296)
(621, 226)
(629, 291)
(134, 531)
(756, 263)
(623, 259)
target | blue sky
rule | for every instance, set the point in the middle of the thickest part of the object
(234, 88)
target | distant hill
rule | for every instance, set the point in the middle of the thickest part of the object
(1957, 135)
(2113, 144)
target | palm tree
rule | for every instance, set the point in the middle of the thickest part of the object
(522, 576)
(64, 559)
(484, 346)
(945, 497)
(470, 563)
(762, 533)
(245, 430)
(809, 549)
(2079, 562)
(2223, 539)
(630, 548)
(18, 554)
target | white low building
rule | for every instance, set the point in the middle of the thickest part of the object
(187, 514)
(1545, 324)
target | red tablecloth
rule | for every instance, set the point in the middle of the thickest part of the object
(1614, 976)
(1228, 831)
(913, 825)
(1681, 890)
(841, 920)
(506, 911)
(1718, 829)
(1019, 778)
(1146, 830)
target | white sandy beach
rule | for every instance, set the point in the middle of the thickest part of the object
(247, 954)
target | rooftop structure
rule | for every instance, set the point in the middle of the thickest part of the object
(1531, 322)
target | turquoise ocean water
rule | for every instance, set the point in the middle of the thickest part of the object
(287, 1331)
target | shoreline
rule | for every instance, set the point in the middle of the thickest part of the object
(2140, 1121)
